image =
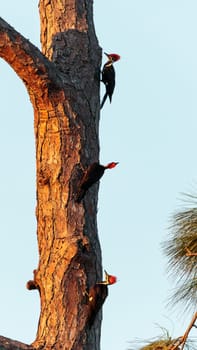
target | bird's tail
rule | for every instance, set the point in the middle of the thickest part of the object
(103, 101)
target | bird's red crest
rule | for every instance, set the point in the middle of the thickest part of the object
(115, 57)
(111, 165)
(112, 279)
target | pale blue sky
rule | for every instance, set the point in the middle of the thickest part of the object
(150, 128)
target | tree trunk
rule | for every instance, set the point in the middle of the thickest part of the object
(63, 85)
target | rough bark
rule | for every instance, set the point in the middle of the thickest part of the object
(9, 344)
(63, 85)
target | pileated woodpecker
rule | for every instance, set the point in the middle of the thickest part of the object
(93, 174)
(108, 76)
(97, 295)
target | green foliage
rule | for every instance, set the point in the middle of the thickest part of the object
(165, 343)
(181, 250)
(162, 342)
(158, 345)
(183, 267)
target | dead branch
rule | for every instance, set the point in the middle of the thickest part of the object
(189, 253)
(9, 344)
(27, 60)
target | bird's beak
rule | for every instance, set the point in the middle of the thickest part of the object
(106, 54)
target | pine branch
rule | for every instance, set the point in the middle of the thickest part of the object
(26, 59)
(9, 344)
(182, 340)
(181, 250)
(189, 253)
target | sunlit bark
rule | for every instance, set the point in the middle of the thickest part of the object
(63, 85)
